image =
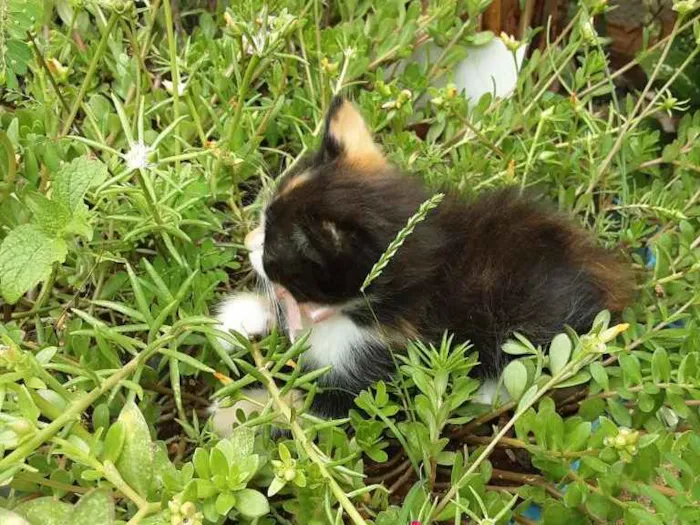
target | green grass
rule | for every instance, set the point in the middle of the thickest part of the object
(123, 204)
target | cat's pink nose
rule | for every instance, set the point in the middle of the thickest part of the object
(254, 240)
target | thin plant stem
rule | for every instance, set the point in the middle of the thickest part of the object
(533, 147)
(307, 70)
(92, 68)
(45, 291)
(631, 118)
(31, 477)
(632, 63)
(319, 54)
(433, 70)
(78, 406)
(143, 512)
(174, 72)
(45, 67)
(303, 441)
(240, 103)
(149, 31)
(112, 475)
(566, 372)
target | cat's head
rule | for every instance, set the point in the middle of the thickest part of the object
(330, 219)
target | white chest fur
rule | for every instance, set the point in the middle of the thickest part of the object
(332, 342)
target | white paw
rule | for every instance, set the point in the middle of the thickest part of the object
(248, 314)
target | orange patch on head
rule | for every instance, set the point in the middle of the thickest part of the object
(349, 130)
(294, 183)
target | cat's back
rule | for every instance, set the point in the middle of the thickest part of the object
(513, 263)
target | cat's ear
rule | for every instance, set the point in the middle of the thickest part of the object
(348, 138)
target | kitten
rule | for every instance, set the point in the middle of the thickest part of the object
(479, 269)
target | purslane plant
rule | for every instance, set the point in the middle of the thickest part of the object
(133, 142)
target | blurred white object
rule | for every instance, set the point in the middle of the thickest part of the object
(489, 69)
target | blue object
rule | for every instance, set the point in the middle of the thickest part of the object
(534, 513)
(650, 256)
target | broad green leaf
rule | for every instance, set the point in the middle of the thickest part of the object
(527, 398)
(205, 488)
(100, 416)
(646, 402)
(225, 502)
(660, 366)
(283, 451)
(481, 38)
(647, 439)
(8, 165)
(162, 518)
(136, 459)
(388, 517)
(80, 223)
(381, 397)
(20, 16)
(52, 216)
(575, 494)
(512, 347)
(251, 503)
(515, 379)
(578, 437)
(16, 18)
(26, 404)
(93, 508)
(74, 179)
(45, 511)
(678, 405)
(26, 257)
(559, 353)
(165, 475)
(218, 463)
(242, 440)
(114, 441)
(582, 377)
(663, 504)
(558, 514)
(688, 369)
(619, 412)
(276, 485)
(631, 369)
(200, 459)
(595, 464)
(601, 321)
(599, 374)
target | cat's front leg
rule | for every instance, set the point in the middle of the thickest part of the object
(247, 313)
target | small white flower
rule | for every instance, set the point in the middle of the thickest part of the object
(257, 46)
(137, 157)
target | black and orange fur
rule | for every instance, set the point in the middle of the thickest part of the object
(480, 269)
